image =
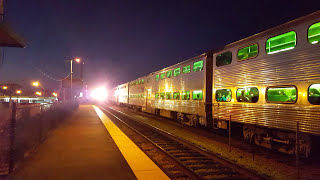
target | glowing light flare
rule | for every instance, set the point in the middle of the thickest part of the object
(38, 93)
(99, 94)
(35, 83)
(5, 87)
(18, 91)
(77, 60)
(55, 94)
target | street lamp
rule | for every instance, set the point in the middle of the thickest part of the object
(38, 93)
(18, 92)
(78, 60)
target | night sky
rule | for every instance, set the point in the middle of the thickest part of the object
(123, 40)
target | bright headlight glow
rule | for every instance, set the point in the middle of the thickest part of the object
(99, 94)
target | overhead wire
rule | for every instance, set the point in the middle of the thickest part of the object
(54, 79)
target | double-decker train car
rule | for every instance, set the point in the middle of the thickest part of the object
(268, 85)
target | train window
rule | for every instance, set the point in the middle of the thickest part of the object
(197, 95)
(224, 59)
(223, 95)
(248, 94)
(185, 95)
(162, 95)
(314, 33)
(157, 96)
(248, 52)
(169, 74)
(197, 66)
(157, 77)
(176, 95)
(314, 94)
(282, 42)
(142, 81)
(176, 72)
(162, 75)
(285, 94)
(168, 95)
(186, 69)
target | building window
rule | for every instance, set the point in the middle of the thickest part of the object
(224, 59)
(314, 33)
(314, 94)
(162, 95)
(223, 95)
(168, 95)
(285, 94)
(197, 95)
(176, 95)
(197, 66)
(281, 42)
(156, 96)
(162, 75)
(248, 52)
(248, 94)
(185, 95)
(169, 74)
(176, 72)
(157, 77)
(186, 69)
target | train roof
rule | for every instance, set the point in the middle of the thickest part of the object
(271, 31)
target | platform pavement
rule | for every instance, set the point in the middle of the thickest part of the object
(81, 148)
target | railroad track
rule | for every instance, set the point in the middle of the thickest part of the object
(198, 162)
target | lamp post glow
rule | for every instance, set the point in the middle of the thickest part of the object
(18, 92)
(55, 94)
(5, 87)
(38, 93)
(71, 72)
(35, 83)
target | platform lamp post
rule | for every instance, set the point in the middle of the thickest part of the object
(37, 84)
(78, 60)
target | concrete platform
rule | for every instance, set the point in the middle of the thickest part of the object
(82, 148)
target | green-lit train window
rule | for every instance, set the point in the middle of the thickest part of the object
(169, 74)
(177, 72)
(157, 77)
(281, 42)
(314, 33)
(162, 75)
(197, 66)
(224, 59)
(142, 81)
(176, 95)
(248, 94)
(314, 94)
(197, 95)
(248, 52)
(168, 95)
(156, 96)
(223, 95)
(186, 69)
(286, 94)
(185, 95)
(162, 95)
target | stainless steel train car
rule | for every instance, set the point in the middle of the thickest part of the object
(267, 84)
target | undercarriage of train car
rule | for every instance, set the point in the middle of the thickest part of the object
(283, 141)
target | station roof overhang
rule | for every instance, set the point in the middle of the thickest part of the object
(9, 38)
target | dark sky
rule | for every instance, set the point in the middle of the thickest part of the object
(121, 40)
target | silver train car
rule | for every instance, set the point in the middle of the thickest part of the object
(267, 84)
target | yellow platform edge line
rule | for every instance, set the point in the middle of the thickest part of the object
(142, 166)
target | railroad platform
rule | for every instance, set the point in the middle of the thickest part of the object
(88, 146)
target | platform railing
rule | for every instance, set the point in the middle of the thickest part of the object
(24, 127)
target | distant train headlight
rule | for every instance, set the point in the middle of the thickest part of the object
(99, 94)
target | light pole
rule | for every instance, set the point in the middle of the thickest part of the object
(71, 72)
(18, 92)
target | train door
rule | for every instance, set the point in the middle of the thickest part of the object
(148, 100)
